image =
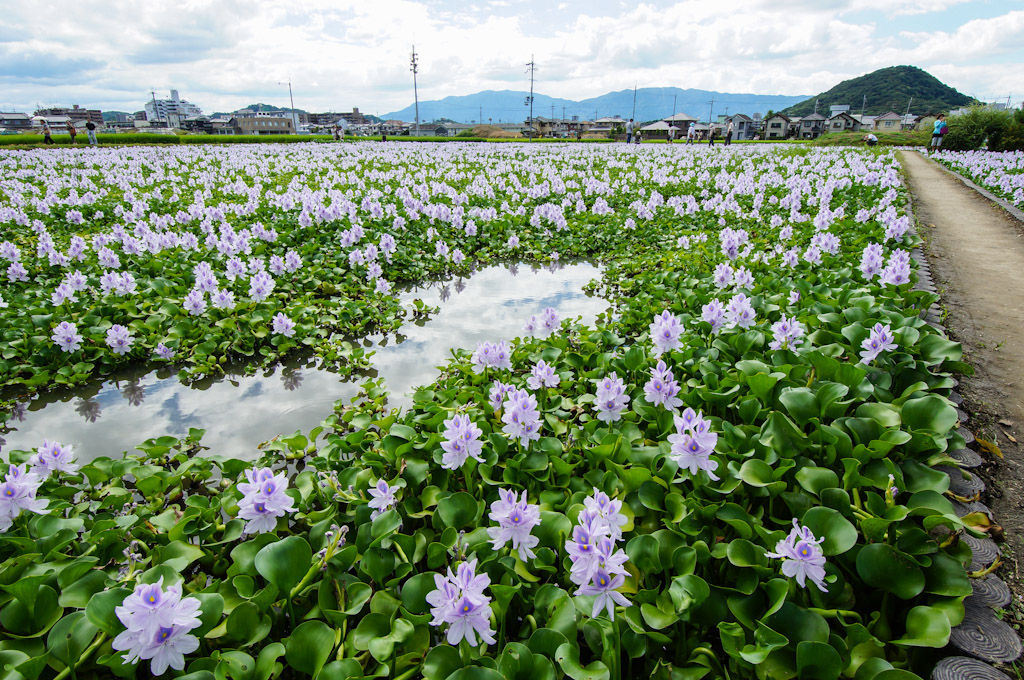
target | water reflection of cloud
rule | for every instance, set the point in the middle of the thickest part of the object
(239, 412)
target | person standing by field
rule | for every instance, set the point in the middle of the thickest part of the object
(938, 130)
(47, 133)
(90, 129)
(72, 130)
(711, 135)
(728, 134)
(629, 131)
(691, 132)
(671, 133)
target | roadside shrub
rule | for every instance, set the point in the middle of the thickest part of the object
(970, 130)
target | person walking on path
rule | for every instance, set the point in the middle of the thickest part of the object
(691, 132)
(90, 129)
(671, 133)
(938, 130)
(728, 134)
(47, 133)
(73, 131)
(711, 135)
(629, 131)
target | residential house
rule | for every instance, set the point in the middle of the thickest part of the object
(888, 122)
(606, 125)
(680, 120)
(658, 130)
(777, 127)
(744, 127)
(843, 122)
(812, 126)
(909, 121)
(262, 126)
(353, 117)
(75, 113)
(16, 121)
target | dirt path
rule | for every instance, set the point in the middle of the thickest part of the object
(976, 252)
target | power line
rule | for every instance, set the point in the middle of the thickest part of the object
(531, 67)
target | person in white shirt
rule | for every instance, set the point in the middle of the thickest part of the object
(691, 132)
(629, 131)
(728, 134)
(671, 133)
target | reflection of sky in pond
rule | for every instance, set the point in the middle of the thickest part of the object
(239, 412)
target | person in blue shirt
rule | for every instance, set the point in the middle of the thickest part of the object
(938, 130)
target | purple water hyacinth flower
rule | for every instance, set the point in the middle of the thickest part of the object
(17, 272)
(714, 313)
(264, 500)
(582, 550)
(787, 333)
(491, 355)
(812, 255)
(742, 278)
(521, 417)
(382, 286)
(871, 260)
(235, 269)
(879, 340)
(292, 261)
(498, 392)
(604, 515)
(723, 275)
(786, 232)
(63, 292)
(604, 586)
(157, 627)
(461, 441)
(531, 325)
(223, 299)
(739, 312)
(897, 270)
(77, 281)
(458, 257)
(516, 519)
(195, 302)
(693, 443)
(18, 494)
(542, 375)
(665, 332)
(53, 457)
(794, 297)
(441, 249)
(802, 557)
(610, 398)
(382, 498)
(662, 388)
(283, 325)
(513, 241)
(276, 265)
(791, 257)
(66, 336)
(164, 352)
(374, 271)
(387, 245)
(459, 601)
(549, 319)
(261, 284)
(119, 339)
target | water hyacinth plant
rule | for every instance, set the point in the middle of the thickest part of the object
(716, 502)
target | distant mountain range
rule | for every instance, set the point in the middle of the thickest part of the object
(887, 89)
(652, 103)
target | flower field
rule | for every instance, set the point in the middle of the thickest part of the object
(730, 475)
(1002, 173)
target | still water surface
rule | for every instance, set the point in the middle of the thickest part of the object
(239, 412)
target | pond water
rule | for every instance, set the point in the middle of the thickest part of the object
(238, 412)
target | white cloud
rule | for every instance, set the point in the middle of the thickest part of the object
(226, 54)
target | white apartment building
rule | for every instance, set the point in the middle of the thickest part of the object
(174, 109)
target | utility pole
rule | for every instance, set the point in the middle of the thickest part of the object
(863, 104)
(673, 107)
(415, 69)
(634, 102)
(909, 101)
(711, 108)
(156, 113)
(815, 105)
(295, 117)
(531, 67)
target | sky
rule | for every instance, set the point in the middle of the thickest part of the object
(225, 54)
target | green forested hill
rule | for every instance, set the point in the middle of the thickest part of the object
(887, 89)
